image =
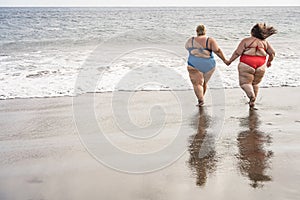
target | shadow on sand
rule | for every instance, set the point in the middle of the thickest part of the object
(253, 158)
(202, 159)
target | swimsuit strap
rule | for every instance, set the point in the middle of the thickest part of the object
(251, 43)
(192, 42)
(207, 43)
(257, 47)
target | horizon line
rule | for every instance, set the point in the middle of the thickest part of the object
(137, 6)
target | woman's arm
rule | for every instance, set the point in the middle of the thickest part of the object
(239, 50)
(188, 43)
(217, 50)
(271, 52)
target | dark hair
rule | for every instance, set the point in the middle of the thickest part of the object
(262, 31)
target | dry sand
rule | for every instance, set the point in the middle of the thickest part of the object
(223, 152)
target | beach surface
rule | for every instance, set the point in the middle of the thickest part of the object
(51, 149)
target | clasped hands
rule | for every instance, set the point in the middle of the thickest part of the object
(227, 62)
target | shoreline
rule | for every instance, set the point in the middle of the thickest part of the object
(105, 92)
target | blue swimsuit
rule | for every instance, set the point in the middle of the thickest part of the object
(202, 64)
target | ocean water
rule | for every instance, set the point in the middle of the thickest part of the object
(47, 52)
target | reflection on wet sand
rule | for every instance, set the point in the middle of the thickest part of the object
(202, 151)
(254, 159)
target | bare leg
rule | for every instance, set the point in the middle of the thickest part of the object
(255, 88)
(259, 74)
(197, 80)
(246, 77)
(207, 76)
(204, 87)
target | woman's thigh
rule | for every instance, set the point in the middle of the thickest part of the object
(246, 74)
(259, 74)
(208, 75)
(195, 75)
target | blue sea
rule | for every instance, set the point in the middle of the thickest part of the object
(44, 51)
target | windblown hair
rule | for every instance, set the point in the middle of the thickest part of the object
(262, 31)
(201, 30)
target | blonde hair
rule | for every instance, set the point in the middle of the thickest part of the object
(201, 30)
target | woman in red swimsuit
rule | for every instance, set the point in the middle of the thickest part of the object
(253, 52)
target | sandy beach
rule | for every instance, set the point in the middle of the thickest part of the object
(222, 151)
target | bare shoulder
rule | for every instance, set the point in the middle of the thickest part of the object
(211, 39)
(188, 43)
(191, 37)
(245, 40)
(189, 40)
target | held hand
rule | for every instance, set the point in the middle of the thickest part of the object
(269, 64)
(227, 62)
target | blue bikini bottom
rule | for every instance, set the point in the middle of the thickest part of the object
(202, 64)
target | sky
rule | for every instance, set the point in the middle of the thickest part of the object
(148, 3)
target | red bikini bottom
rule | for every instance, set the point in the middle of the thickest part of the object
(253, 61)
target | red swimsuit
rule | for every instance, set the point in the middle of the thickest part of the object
(251, 60)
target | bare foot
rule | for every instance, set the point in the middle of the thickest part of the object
(252, 103)
(252, 108)
(200, 103)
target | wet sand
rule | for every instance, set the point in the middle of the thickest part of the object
(225, 151)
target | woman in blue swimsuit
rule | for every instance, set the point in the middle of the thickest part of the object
(201, 62)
